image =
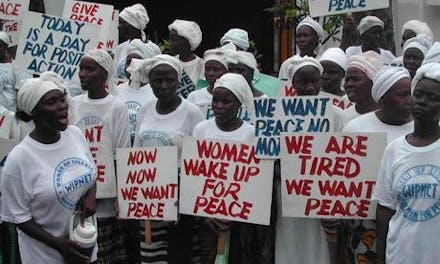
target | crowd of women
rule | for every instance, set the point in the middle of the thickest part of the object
(397, 96)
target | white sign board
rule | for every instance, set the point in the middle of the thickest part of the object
(13, 9)
(320, 8)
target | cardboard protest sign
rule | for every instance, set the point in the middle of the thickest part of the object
(186, 85)
(147, 183)
(12, 28)
(112, 37)
(97, 14)
(208, 113)
(13, 9)
(286, 89)
(289, 114)
(98, 136)
(330, 175)
(6, 119)
(223, 179)
(331, 7)
(50, 43)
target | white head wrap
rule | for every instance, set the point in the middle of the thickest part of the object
(420, 42)
(34, 89)
(335, 55)
(385, 79)
(243, 57)
(103, 58)
(297, 62)
(238, 85)
(418, 27)
(308, 21)
(137, 16)
(5, 38)
(236, 36)
(189, 30)
(145, 50)
(220, 54)
(368, 62)
(433, 54)
(429, 70)
(368, 22)
(140, 69)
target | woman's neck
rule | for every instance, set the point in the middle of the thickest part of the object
(425, 133)
(187, 56)
(229, 125)
(365, 106)
(45, 136)
(97, 93)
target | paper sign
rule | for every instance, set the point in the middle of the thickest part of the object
(50, 43)
(98, 136)
(112, 37)
(147, 183)
(223, 179)
(186, 85)
(331, 7)
(12, 28)
(97, 14)
(13, 9)
(330, 175)
(6, 119)
(289, 114)
(286, 89)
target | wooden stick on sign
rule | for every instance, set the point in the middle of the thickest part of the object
(221, 241)
(147, 234)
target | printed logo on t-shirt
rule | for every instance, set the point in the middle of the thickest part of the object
(133, 110)
(417, 192)
(150, 138)
(88, 121)
(71, 176)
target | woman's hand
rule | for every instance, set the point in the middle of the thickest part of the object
(70, 251)
(218, 225)
(87, 204)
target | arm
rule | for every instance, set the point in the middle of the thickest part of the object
(87, 204)
(66, 247)
(383, 216)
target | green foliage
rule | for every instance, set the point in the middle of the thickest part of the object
(164, 46)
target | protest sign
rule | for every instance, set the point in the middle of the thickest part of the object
(331, 7)
(208, 113)
(286, 89)
(147, 183)
(6, 119)
(186, 85)
(12, 28)
(13, 9)
(50, 43)
(330, 175)
(112, 39)
(98, 136)
(223, 179)
(289, 114)
(98, 14)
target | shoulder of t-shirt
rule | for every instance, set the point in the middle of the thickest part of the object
(192, 108)
(356, 124)
(201, 127)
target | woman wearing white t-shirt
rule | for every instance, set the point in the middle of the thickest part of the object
(40, 194)
(163, 122)
(407, 186)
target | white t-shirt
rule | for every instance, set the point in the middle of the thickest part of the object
(134, 99)
(113, 116)
(44, 182)
(194, 68)
(119, 59)
(408, 182)
(369, 122)
(200, 97)
(386, 55)
(10, 81)
(342, 117)
(209, 129)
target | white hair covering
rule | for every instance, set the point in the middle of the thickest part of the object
(5, 38)
(297, 62)
(368, 22)
(220, 55)
(137, 16)
(243, 57)
(420, 42)
(236, 36)
(103, 58)
(385, 79)
(238, 85)
(335, 55)
(308, 21)
(145, 50)
(189, 30)
(418, 27)
(34, 89)
(140, 69)
(429, 70)
(368, 62)
(433, 54)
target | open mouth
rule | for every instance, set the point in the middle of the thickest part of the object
(63, 119)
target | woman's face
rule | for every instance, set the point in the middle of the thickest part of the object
(164, 82)
(396, 101)
(331, 76)
(372, 38)
(213, 71)
(425, 101)
(307, 81)
(242, 69)
(127, 31)
(407, 34)
(412, 60)
(224, 104)
(128, 61)
(307, 40)
(178, 44)
(51, 111)
(357, 85)
(91, 75)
